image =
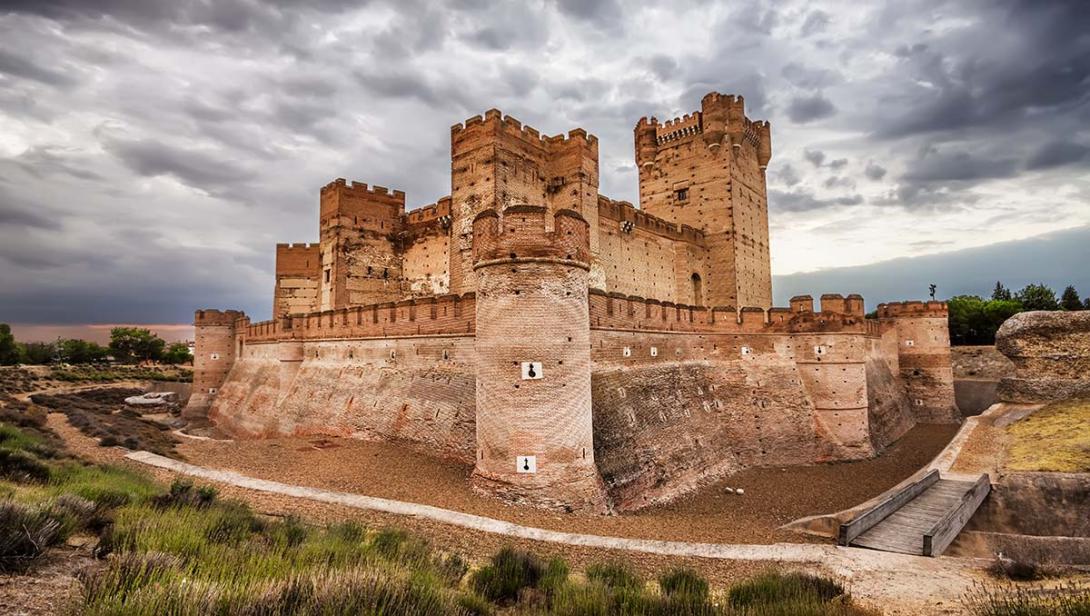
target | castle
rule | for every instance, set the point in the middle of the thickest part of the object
(582, 353)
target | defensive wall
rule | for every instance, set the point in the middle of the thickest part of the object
(679, 395)
(583, 353)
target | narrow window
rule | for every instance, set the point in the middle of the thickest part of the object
(682, 194)
(327, 275)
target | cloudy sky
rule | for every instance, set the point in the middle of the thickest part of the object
(151, 153)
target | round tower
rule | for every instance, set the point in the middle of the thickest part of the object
(535, 442)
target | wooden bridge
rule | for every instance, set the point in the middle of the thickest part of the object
(922, 517)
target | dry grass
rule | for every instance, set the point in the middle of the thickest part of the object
(1054, 439)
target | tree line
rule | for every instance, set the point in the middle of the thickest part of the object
(128, 345)
(974, 320)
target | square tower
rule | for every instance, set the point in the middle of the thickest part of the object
(496, 162)
(357, 227)
(707, 170)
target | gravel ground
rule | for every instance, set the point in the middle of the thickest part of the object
(773, 496)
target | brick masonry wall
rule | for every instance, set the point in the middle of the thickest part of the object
(298, 279)
(924, 359)
(426, 266)
(419, 390)
(214, 355)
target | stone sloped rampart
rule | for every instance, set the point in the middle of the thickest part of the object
(1051, 356)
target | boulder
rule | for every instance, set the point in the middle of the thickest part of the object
(1051, 356)
(152, 398)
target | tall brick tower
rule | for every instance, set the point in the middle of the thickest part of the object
(358, 260)
(496, 161)
(707, 170)
(214, 354)
(535, 443)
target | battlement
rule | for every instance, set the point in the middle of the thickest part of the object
(209, 316)
(721, 119)
(678, 128)
(914, 308)
(360, 189)
(623, 211)
(494, 120)
(430, 212)
(297, 246)
(521, 234)
(630, 312)
(429, 316)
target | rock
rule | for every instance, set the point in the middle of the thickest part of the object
(152, 398)
(1051, 356)
(729, 490)
(739, 491)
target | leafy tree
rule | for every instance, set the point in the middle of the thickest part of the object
(9, 351)
(974, 320)
(177, 353)
(1086, 303)
(1001, 292)
(1037, 297)
(76, 351)
(132, 344)
(1070, 299)
(37, 353)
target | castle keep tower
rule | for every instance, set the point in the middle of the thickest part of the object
(707, 170)
(534, 437)
(497, 162)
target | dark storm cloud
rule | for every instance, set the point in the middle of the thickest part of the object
(1057, 154)
(808, 108)
(874, 171)
(816, 157)
(202, 170)
(976, 79)
(21, 66)
(803, 201)
(153, 151)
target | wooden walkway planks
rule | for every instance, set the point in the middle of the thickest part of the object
(926, 524)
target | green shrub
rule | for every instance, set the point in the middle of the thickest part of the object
(684, 583)
(615, 574)
(106, 486)
(773, 587)
(20, 465)
(508, 573)
(25, 533)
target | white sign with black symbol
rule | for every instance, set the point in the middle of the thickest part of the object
(654, 351)
(526, 464)
(531, 370)
(627, 352)
(819, 350)
(746, 351)
(909, 343)
(215, 356)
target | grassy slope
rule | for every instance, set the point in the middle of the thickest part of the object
(1055, 439)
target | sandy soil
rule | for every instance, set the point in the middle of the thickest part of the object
(773, 496)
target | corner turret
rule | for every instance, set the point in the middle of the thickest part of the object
(535, 442)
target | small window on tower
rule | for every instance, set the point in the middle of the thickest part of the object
(327, 275)
(682, 194)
